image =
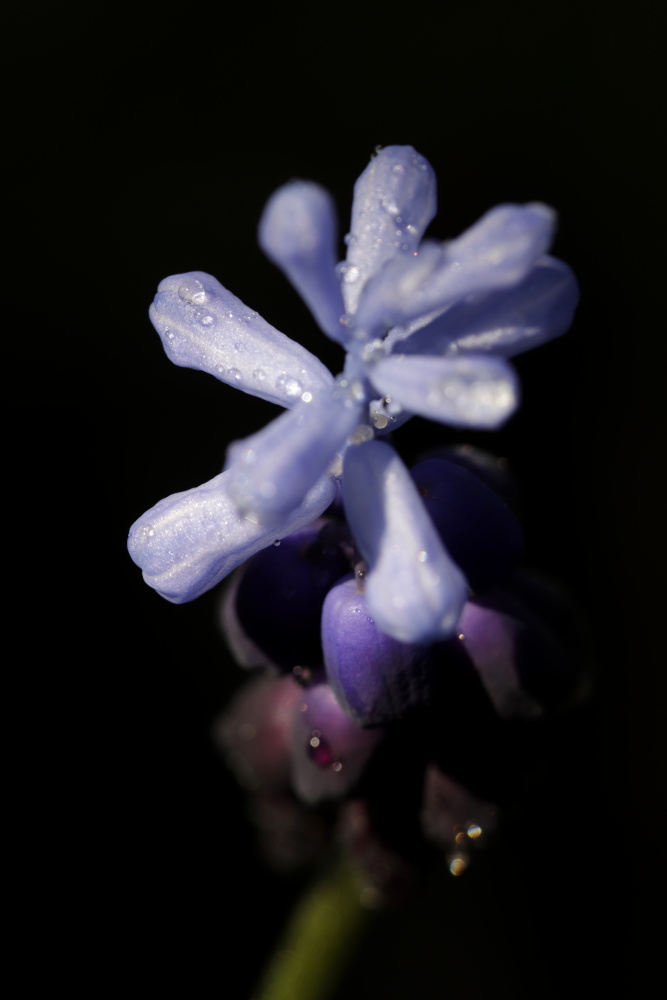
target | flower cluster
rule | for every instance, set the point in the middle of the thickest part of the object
(403, 646)
(391, 747)
(427, 328)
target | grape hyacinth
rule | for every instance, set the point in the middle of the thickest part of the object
(407, 656)
(427, 328)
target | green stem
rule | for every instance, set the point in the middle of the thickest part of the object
(320, 939)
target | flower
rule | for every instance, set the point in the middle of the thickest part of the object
(427, 329)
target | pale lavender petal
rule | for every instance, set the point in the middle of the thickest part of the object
(414, 591)
(497, 252)
(394, 201)
(204, 326)
(471, 391)
(507, 321)
(189, 541)
(274, 468)
(298, 231)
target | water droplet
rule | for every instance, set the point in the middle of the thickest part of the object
(238, 346)
(362, 434)
(191, 290)
(303, 676)
(207, 320)
(458, 865)
(290, 385)
(277, 542)
(233, 373)
(350, 275)
(260, 374)
(319, 750)
(170, 334)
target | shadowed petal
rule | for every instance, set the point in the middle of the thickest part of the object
(298, 231)
(498, 251)
(507, 321)
(273, 469)
(415, 592)
(394, 201)
(473, 391)
(189, 541)
(204, 326)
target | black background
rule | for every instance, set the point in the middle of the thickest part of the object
(146, 144)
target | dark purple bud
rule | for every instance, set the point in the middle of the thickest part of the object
(492, 470)
(276, 604)
(329, 750)
(479, 531)
(522, 663)
(377, 679)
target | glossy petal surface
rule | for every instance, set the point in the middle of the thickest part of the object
(415, 592)
(189, 541)
(505, 322)
(204, 326)
(271, 470)
(497, 252)
(474, 391)
(394, 201)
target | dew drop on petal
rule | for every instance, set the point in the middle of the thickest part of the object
(319, 750)
(290, 386)
(191, 290)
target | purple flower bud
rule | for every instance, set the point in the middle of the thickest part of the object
(277, 601)
(376, 679)
(329, 750)
(479, 531)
